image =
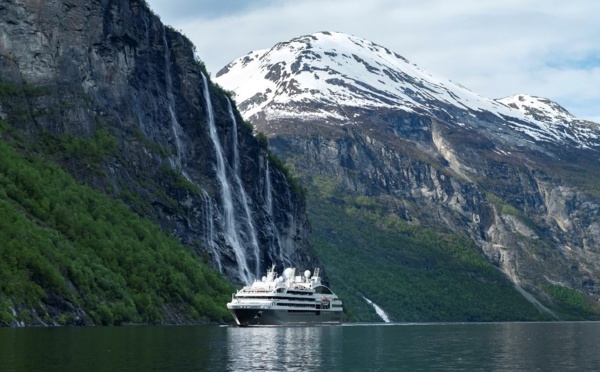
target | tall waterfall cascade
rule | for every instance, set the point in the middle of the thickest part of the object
(176, 128)
(230, 216)
(230, 228)
(243, 195)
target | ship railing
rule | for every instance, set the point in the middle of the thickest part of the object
(257, 290)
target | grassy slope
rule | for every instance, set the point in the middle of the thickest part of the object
(65, 246)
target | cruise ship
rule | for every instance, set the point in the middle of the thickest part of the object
(288, 299)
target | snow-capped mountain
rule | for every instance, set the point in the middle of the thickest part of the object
(320, 76)
(340, 69)
(364, 128)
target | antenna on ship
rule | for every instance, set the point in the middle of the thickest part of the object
(270, 274)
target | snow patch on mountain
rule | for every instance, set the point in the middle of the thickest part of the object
(554, 119)
(538, 108)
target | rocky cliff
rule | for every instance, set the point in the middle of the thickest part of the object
(516, 176)
(183, 156)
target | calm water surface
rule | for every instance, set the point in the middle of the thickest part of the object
(362, 347)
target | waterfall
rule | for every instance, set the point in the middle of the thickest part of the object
(229, 224)
(276, 237)
(209, 229)
(291, 226)
(382, 314)
(245, 204)
(208, 210)
(236, 152)
(175, 127)
(268, 190)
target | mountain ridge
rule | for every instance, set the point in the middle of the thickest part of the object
(334, 68)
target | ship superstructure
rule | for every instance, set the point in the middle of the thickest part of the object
(288, 299)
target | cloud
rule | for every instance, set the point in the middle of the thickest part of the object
(179, 10)
(546, 48)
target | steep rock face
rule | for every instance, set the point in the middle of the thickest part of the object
(525, 222)
(111, 66)
(514, 175)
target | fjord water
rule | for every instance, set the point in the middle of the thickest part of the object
(358, 347)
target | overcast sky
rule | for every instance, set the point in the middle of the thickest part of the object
(546, 48)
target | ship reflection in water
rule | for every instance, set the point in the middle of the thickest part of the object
(277, 348)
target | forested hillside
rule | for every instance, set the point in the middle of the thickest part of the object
(71, 255)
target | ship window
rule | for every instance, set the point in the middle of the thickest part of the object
(322, 289)
(312, 306)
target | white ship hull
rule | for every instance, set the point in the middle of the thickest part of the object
(249, 317)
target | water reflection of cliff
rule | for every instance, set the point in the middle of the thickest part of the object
(277, 348)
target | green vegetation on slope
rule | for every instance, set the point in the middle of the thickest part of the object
(413, 273)
(90, 150)
(575, 305)
(69, 254)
